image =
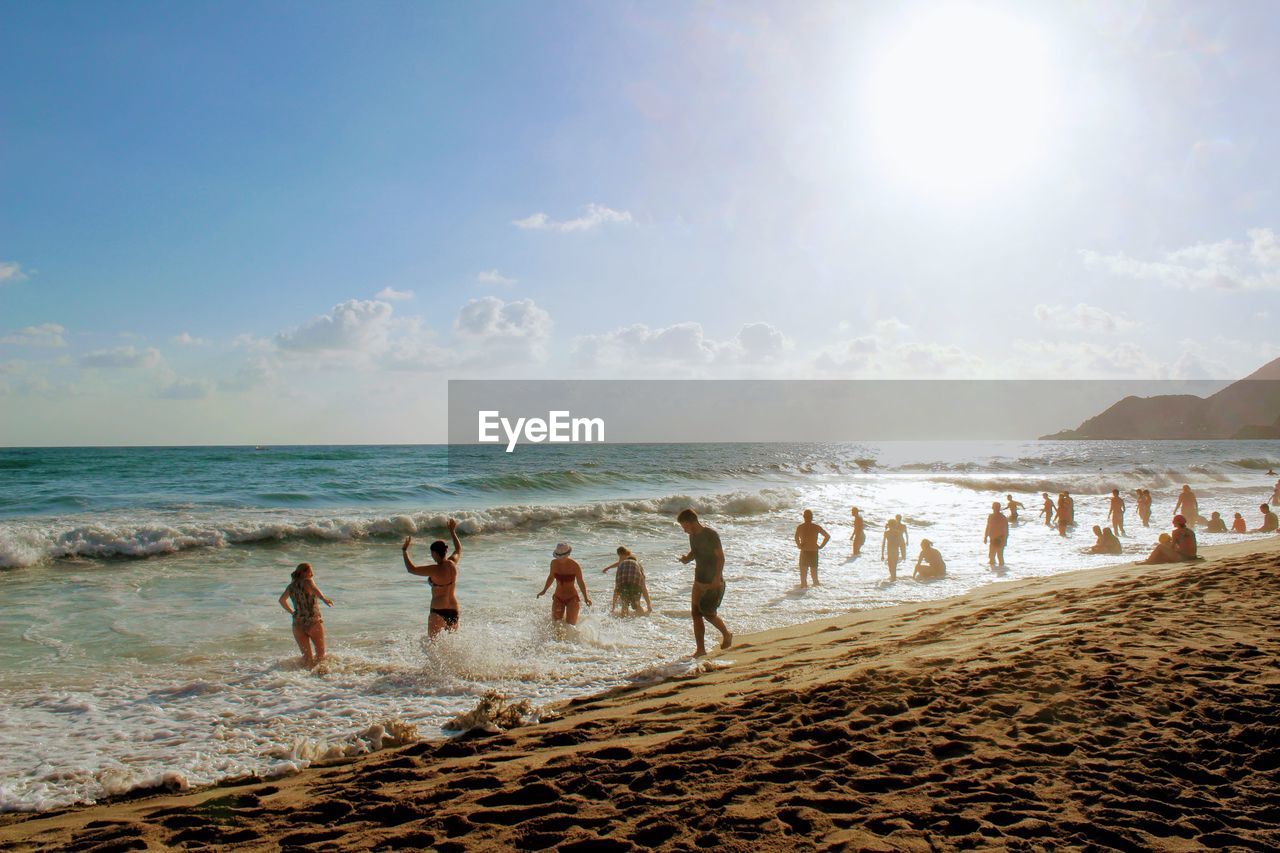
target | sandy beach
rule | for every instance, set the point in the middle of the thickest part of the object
(1125, 707)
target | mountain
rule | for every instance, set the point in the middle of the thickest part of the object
(1247, 409)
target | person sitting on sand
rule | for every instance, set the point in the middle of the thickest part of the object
(1013, 507)
(1216, 524)
(995, 535)
(1188, 506)
(806, 539)
(859, 534)
(443, 577)
(1144, 506)
(707, 556)
(1238, 525)
(1269, 522)
(629, 584)
(1115, 511)
(308, 625)
(564, 573)
(1107, 542)
(1047, 511)
(1164, 552)
(929, 565)
(1184, 538)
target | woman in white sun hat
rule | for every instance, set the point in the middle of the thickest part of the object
(565, 572)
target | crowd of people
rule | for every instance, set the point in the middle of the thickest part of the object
(302, 597)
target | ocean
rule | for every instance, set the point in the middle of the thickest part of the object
(141, 641)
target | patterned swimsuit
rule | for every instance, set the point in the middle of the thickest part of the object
(306, 612)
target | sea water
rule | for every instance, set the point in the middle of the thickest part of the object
(141, 641)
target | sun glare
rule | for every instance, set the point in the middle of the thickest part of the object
(959, 100)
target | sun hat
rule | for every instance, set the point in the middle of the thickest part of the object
(562, 550)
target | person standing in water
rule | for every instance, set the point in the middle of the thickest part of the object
(806, 539)
(1013, 507)
(1066, 513)
(629, 584)
(929, 565)
(859, 534)
(1047, 511)
(1144, 507)
(1116, 512)
(890, 547)
(707, 556)
(442, 575)
(565, 572)
(1188, 506)
(308, 625)
(995, 535)
(903, 536)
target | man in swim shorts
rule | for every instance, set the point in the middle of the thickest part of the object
(995, 535)
(806, 539)
(707, 555)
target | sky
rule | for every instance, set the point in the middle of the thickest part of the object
(279, 223)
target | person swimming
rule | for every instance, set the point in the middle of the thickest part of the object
(308, 624)
(565, 573)
(442, 576)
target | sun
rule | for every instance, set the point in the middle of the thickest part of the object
(959, 100)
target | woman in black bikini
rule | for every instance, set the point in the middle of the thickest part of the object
(443, 576)
(308, 626)
(565, 571)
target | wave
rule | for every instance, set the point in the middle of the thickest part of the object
(1093, 483)
(29, 543)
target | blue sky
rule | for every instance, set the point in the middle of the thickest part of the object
(293, 222)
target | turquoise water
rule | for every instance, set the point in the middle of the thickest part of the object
(140, 637)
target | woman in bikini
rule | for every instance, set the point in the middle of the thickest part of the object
(308, 626)
(443, 577)
(565, 572)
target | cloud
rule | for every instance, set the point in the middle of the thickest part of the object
(595, 216)
(494, 277)
(390, 294)
(11, 271)
(254, 373)
(680, 344)
(1251, 264)
(352, 326)
(1082, 318)
(496, 333)
(885, 354)
(43, 335)
(185, 339)
(121, 357)
(185, 389)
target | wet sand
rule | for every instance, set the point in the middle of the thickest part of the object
(1126, 707)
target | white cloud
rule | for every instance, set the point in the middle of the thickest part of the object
(352, 326)
(680, 344)
(494, 277)
(11, 271)
(187, 340)
(595, 216)
(499, 333)
(884, 354)
(1082, 318)
(254, 373)
(185, 389)
(1251, 264)
(43, 335)
(390, 294)
(121, 357)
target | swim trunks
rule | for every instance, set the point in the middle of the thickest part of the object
(809, 560)
(449, 615)
(709, 601)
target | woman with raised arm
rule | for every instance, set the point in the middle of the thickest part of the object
(308, 626)
(443, 577)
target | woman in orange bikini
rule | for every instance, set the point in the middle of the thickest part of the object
(443, 577)
(565, 572)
